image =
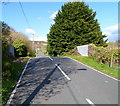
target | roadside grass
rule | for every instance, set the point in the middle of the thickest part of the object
(12, 71)
(90, 61)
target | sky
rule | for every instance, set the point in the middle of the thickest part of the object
(40, 17)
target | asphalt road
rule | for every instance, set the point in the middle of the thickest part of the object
(39, 54)
(44, 83)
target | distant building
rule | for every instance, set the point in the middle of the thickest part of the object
(39, 45)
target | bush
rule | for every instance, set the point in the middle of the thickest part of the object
(20, 48)
(106, 55)
(9, 77)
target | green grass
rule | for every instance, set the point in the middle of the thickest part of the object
(11, 73)
(112, 71)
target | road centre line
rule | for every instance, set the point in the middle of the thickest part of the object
(95, 69)
(90, 102)
(63, 72)
(18, 83)
(50, 58)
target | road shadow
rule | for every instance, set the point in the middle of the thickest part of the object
(45, 81)
(41, 82)
(82, 69)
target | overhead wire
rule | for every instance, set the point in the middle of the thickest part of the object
(26, 20)
(24, 14)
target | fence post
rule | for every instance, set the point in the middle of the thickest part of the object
(111, 60)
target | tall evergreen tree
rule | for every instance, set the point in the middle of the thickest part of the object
(75, 25)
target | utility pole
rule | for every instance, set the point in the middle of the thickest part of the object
(33, 42)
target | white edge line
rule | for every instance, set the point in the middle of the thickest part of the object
(63, 72)
(89, 101)
(13, 92)
(95, 69)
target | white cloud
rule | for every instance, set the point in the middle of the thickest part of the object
(54, 15)
(41, 38)
(112, 29)
(53, 22)
(107, 33)
(30, 31)
(111, 32)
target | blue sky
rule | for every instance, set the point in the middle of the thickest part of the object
(40, 16)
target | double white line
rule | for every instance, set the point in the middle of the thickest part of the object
(61, 70)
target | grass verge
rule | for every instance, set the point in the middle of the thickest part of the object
(11, 74)
(90, 61)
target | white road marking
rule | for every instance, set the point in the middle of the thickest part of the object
(50, 58)
(106, 81)
(63, 72)
(95, 69)
(13, 92)
(90, 102)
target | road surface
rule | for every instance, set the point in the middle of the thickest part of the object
(44, 83)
